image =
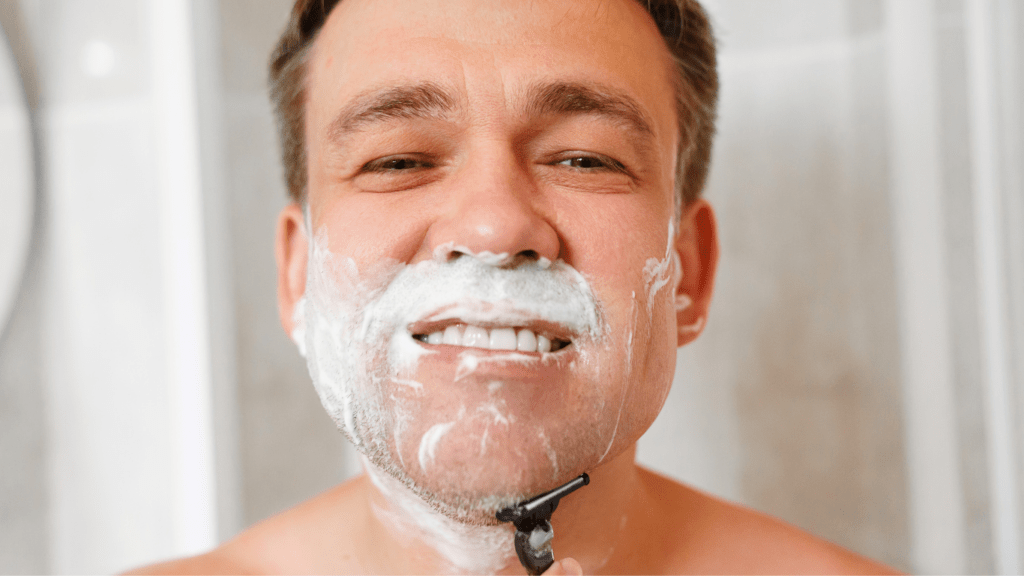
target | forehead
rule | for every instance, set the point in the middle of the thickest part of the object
(489, 50)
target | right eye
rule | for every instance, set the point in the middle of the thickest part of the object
(395, 164)
(396, 173)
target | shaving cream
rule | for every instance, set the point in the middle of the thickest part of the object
(353, 327)
(657, 273)
(468, 548)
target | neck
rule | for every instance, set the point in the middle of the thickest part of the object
(587, 526)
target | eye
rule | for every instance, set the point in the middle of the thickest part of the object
(398, 172)
(590, 162)
(396, 164)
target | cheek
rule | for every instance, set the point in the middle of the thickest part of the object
(369, 227)
(647, 391)
(660, 363)
(648, 354)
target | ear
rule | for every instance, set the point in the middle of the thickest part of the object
(291, 249)
(697, 249)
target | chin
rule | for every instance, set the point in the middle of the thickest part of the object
(476, 468)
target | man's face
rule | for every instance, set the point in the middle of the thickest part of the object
(485, 176)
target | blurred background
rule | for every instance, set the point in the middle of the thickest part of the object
(861, 375)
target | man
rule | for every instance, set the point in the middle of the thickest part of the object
(495, 246)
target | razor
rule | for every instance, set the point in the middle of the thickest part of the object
(532, 519)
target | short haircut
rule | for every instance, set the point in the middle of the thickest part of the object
(683, 24)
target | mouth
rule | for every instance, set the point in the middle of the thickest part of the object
(534, 338)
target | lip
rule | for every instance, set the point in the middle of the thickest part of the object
(456, 364)
(488, 316)
(564, 347)
(462, 364)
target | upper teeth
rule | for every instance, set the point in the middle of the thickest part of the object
(522, 339)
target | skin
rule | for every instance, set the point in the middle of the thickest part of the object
(494, 174)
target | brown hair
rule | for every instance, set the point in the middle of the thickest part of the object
(683, 25)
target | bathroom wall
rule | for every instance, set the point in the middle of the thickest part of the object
(800, 358)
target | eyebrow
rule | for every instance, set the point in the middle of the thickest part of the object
(429, 101)
(579, 98)
(426, 100)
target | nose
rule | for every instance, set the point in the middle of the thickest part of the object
(494, 207)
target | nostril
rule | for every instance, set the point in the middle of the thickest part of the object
(450, 252)
(521, 258)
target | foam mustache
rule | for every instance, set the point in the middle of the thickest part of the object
(352, 324)
(386, 298)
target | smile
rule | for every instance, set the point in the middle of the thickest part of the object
(507, 338)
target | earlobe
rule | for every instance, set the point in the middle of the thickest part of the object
(292, 252)
(697, 252)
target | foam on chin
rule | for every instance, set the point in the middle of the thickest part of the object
(467, 547)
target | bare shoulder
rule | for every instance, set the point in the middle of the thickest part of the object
(315, 537)
(210, 563)
(704, 534)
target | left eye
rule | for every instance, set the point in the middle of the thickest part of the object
(581, 162)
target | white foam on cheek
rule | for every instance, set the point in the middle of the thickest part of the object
(428, 444)
(657, 273)
(630, 331)
(483, 441)
(402, 413)
(417, 386)
(468, 548)
(335, 335)
(470, 362)
(493, 408)
(405, 353)
(552, 455)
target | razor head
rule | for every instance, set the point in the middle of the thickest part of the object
(529, 513)
(532, 519)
